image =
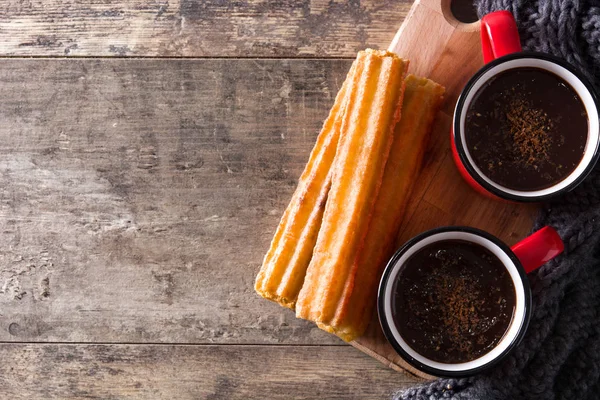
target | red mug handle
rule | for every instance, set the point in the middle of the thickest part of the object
(499, 35)
(539, 248)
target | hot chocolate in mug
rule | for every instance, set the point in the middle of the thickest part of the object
(526, 125)
(454, 301)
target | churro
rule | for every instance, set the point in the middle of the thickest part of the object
(372, 111)
(285, 264)
(422, 100)
(339, 229)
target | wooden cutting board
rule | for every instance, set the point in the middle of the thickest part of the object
(447, 51)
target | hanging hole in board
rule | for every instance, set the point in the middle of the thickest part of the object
(461, 14)
(464, 11)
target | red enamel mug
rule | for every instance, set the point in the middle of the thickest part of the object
(522, 258)
(501, 53)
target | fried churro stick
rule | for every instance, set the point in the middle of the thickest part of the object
(285, 264)
(422, 100)
(372, 111)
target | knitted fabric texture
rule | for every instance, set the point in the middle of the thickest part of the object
(559, 358)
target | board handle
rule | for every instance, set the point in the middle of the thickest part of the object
(430, 37)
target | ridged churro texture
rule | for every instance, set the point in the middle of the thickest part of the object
(284, 267)
(422, 100)
(373, 107)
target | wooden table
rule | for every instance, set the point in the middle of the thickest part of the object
(147, 152)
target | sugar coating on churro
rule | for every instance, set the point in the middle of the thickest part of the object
(422, 100)
(284, 267)
(372, 110)
(339, 229)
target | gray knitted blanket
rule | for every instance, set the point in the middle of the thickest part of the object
(559, 357)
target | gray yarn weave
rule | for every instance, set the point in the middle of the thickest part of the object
(559, 358)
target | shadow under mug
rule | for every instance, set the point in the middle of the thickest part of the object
(522, 258)
(501, 52)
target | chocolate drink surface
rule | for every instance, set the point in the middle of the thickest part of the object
(453, 301)
(526, 129)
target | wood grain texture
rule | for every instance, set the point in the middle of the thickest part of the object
(139, 197)
(441, 196)
(190, 28)
(55, 371)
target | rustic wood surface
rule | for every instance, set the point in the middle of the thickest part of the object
(64, 371)
(194, 28)
(138, 199)
(139, 196)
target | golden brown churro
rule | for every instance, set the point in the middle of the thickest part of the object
(422, 100)
(372, 111)
(284, 266)
(339, 229)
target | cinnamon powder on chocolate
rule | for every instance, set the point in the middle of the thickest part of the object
(529, 129)
(453, 301)
(526, 129)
